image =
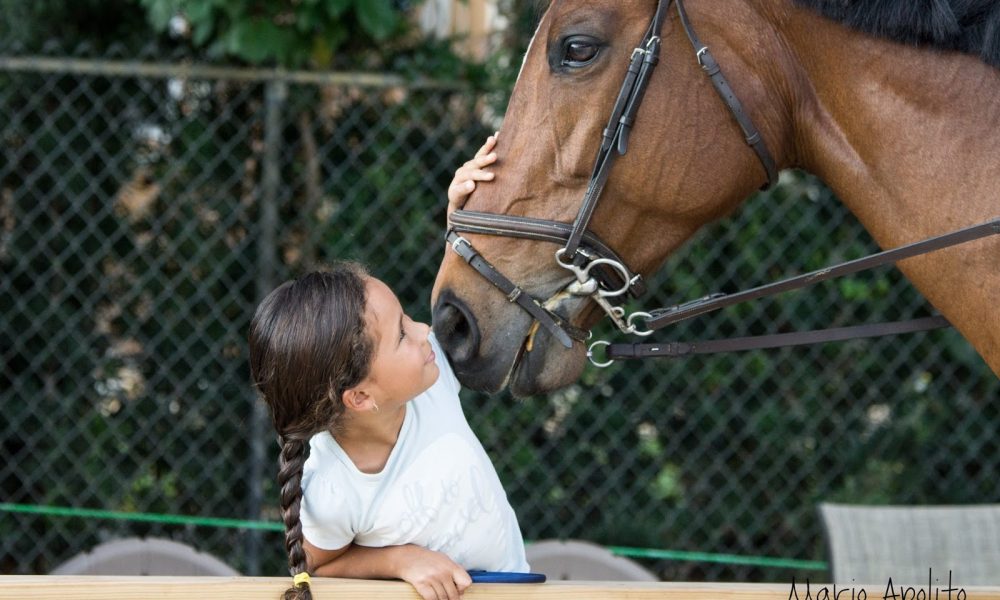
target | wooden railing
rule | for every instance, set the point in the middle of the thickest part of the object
(269, 588)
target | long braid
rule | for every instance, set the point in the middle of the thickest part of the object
(293, 458)
(308, 344)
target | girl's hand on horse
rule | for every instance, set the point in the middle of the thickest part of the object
(433, 574)
(472, 171)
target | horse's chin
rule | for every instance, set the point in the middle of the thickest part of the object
(544, 365)
(547, 367)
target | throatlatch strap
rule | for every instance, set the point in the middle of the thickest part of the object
(722, 87)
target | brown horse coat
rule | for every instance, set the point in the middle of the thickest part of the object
(907, 137)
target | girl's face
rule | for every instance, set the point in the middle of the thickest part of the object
(403, 364)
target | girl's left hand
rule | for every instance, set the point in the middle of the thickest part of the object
(472, 171)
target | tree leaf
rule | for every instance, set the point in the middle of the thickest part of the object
(199, 13)
(201, 32)
(160, 12)
(256, 40)
(376, 17)
(336, 8)
(326, 45)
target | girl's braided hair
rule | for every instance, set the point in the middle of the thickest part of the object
(308, 344)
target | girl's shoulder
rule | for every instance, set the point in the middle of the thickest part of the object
(326, 462)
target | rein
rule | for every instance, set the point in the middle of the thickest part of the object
(601, 275)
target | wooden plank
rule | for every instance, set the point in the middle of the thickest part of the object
(78, 587)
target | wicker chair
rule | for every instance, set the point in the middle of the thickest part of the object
(870, 544)
(574, 560)
(151, 556)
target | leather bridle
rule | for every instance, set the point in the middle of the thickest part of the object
(601, 275)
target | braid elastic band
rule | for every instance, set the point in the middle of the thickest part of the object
(301, 579)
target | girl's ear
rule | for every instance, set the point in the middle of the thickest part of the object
(357, 399)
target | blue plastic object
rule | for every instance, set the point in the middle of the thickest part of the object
(505, 577)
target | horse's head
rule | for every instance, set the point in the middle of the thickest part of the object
(687, 163)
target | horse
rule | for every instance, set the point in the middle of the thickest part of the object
(894, 105)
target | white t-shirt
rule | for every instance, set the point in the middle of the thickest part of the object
(438, 489)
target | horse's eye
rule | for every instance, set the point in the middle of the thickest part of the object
(579, 53)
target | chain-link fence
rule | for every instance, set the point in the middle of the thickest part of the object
(145, 208)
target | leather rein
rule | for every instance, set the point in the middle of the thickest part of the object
(601, 275)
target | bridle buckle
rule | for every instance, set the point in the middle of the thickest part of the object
(701, 52)
(460, 240)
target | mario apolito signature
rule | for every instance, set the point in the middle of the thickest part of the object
(892, 591)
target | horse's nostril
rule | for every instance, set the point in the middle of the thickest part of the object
(460, 328)
(456, 330)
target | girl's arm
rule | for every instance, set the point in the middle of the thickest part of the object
(472, 171)
(432, 574)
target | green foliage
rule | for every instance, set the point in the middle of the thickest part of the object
(309, 33)
(313, 34)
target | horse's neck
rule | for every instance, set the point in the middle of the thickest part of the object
(909, 140)
(904, 136)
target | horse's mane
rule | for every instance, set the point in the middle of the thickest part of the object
(970, 26)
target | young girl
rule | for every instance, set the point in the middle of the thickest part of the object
(380, 474)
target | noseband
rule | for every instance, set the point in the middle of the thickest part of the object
(601, 275)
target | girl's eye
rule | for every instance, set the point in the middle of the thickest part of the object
(579, 52)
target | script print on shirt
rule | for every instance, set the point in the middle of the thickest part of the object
(440, 502)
